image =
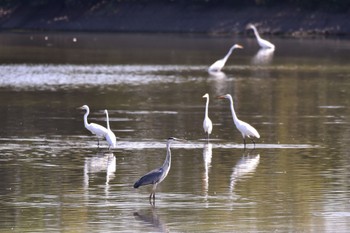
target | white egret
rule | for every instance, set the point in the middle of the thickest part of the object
(156, 176)
(262, 43)
(219, 64)
(207, 124)
(110, 136)
(96, 129)
(246, 129)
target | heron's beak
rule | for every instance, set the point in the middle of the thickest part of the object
(239, 46)
(81, 107)
(221, 97)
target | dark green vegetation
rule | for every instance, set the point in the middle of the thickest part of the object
(289, 17)
(324, 5)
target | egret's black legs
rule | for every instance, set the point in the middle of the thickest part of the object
(252, 139)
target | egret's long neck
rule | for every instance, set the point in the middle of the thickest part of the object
(167, 162)
(234, 116)
(206, 108)
(107, 119)
(86, 123)
(228, 54)
(256, 33)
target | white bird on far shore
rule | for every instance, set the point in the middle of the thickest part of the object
(262, 43)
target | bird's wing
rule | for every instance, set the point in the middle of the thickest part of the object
(216, 66)
(111, 139)
(97, 129)
(249, 130)
(207, 125)
(151, 177)
(266, 44)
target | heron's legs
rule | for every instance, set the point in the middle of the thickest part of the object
(244, 143)
(152, 199)
(152, 196)
(153, 193)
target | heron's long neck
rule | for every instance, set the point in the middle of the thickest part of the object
(107, 119)
(206, 108)
(86, 123)
(234, 116)
(256, 33)
(167, 161)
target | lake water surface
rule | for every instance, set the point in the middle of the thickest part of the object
(55, 179)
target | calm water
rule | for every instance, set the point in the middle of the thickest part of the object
(55, 179)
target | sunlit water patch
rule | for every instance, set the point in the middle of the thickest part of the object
(48, 76)
(71, 76)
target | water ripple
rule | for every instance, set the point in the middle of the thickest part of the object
(71, 76)
(60, 143)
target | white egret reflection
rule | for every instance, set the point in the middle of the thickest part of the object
(100, 163)
(246, 165)
(207, 156)
(263, 56)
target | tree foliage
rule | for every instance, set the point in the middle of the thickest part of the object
(327, 5)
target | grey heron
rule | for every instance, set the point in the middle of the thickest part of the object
(156, 176)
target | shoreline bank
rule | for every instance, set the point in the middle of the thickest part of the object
(176, 18)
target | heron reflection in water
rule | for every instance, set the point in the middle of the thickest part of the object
(151, 218)
(156, 176)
